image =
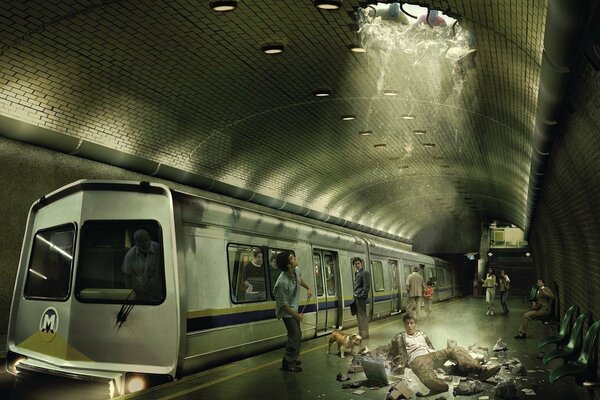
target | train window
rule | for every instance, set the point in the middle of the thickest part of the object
(274, 271)
(121, 261)
(330, 278)
(50, 264)
(393, 265)
(247, 273)
(378, 282)
(318, 273)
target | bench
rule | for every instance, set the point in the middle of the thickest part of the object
(562, 337)
(584, 368)
(572, 349)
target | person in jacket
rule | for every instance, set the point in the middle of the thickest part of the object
(540, 308)
(413, 349)
(504, 285)
(415, 288)
(361, 288)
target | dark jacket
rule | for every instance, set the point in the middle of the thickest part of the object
(362, 284)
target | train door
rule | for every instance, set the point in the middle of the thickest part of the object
(327, 290)
(394, 268)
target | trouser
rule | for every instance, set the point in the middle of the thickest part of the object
(489, 298)
(361, 317)
(292, 348)
(414, 305)
(530, 315)
(428, 301)
(424, 366)
(503, 298)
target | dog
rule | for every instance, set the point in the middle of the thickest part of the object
(345, 342)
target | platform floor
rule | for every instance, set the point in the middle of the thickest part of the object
(463, 320)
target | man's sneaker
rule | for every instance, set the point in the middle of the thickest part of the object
(487, 372)
(492, 312)
(487, 312)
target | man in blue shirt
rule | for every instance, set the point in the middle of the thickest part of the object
(287, 294)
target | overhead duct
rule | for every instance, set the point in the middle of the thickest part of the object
(565, 25)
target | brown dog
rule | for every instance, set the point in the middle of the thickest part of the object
(344, 342)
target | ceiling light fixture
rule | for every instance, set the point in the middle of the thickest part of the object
(390, 93)
(273, 49)
(429, 144)
(328, 4)
(408, 116)
(379, 145)
(355, 48)
(223, 6)
(322, 93)
(348, 117)
(419, 132)
(527, 254)
(365, 133)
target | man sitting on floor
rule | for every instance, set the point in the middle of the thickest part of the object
(414, 350)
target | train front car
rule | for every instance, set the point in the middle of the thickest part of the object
(96, 294)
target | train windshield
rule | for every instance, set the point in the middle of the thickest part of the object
(50, 264)
(120, 262)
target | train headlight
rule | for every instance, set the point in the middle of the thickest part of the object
(135, 384)
(12, 361)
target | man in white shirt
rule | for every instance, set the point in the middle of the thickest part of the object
(414, 350)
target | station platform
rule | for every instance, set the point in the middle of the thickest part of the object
(463, 320)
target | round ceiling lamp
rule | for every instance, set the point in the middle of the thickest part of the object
(223, 5)
(328, 4)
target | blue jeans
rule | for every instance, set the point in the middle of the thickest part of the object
(503, 298)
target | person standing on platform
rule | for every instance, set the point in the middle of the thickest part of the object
(504, 285)
(361, 288)
(428, 297)
(287, 294)
(489, 283)
(415, 288)
(541, 308)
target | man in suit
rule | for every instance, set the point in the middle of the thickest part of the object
(362, 285)
(415, 288)
(540, 309)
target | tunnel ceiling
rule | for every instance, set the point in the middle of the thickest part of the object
(182, 85)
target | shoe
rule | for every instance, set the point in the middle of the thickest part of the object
(521, 336)
(488, 372)
(291, 368)
(491, 313)
(487, 312)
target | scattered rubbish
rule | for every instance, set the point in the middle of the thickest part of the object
(351, 385)
(515, 366)
(359, 391)
(468, 387)
(528, 392)
(493, 358)
(500, 346)
(484, 397)
(342, 378)
(451, 343)
(399, 391)
(505, 389)
(440, 398)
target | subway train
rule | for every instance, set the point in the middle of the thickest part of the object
(206, 296)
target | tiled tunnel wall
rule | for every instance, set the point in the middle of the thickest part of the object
(565, 236)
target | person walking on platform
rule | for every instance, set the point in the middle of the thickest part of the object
(361, 288)
(489, 283)
(413, 349)
(504, 285)
(540, 309)
(415, 288)
(428, 297)
(287, 294)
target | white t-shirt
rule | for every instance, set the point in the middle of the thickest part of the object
(416, 346)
